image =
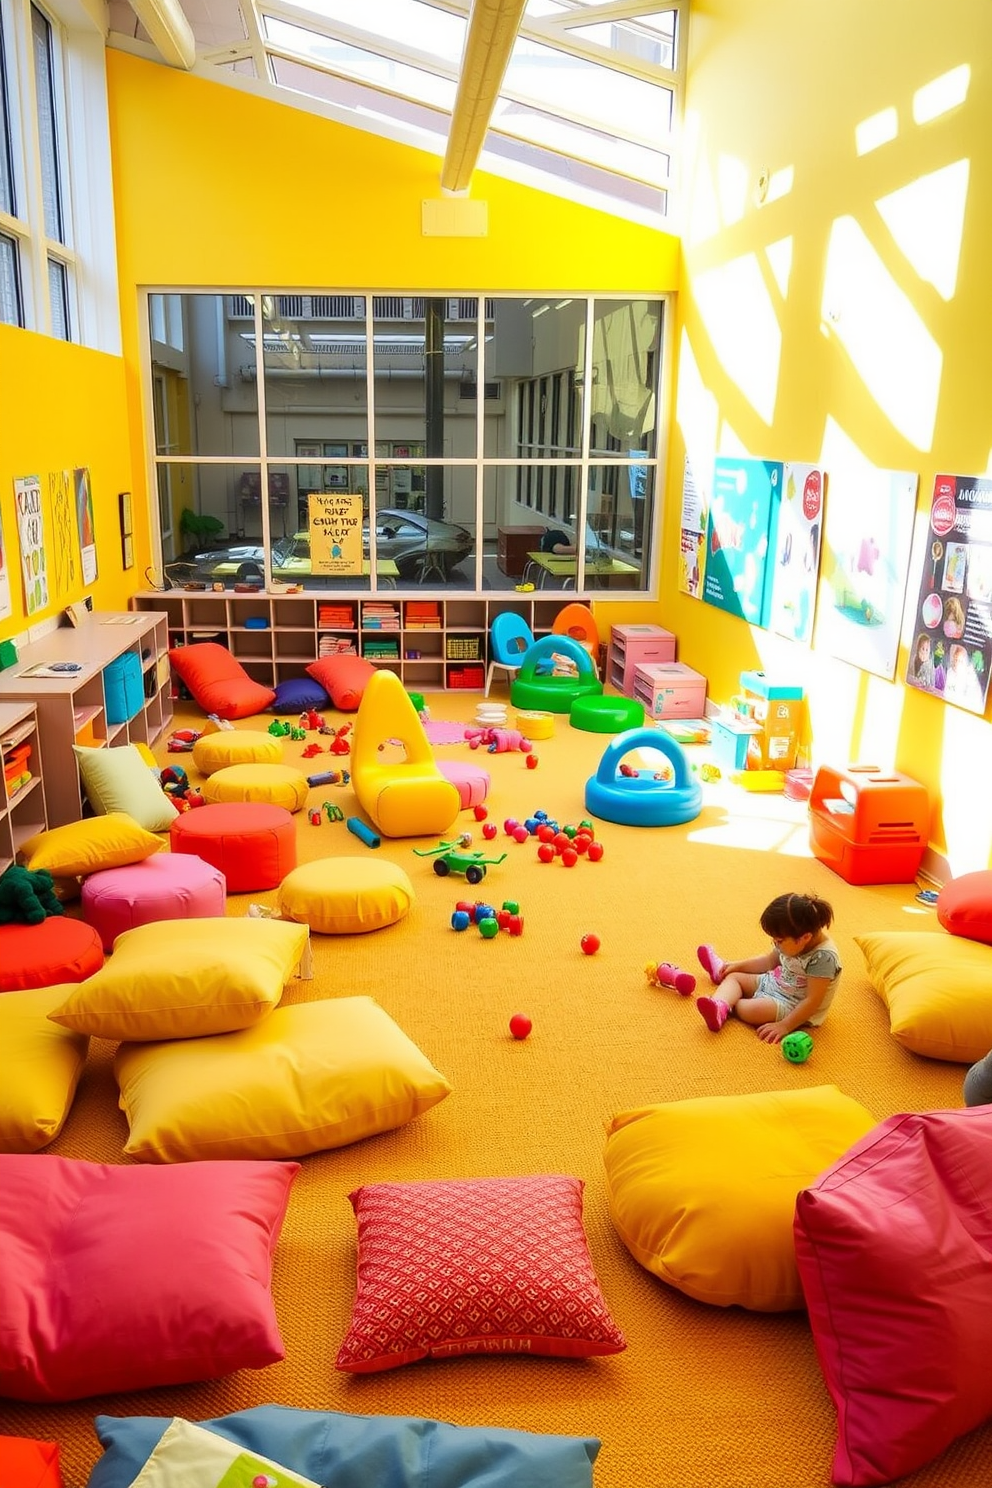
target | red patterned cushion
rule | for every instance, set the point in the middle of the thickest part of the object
(474, 1266)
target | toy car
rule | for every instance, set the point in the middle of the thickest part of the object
(450, 858)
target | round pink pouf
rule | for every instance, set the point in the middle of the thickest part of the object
(166, 886)
(471, 783)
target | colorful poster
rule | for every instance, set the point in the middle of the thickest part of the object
(85, 524)
(335, 521)
(692, 543)
(64, 540)
(951, 649)
(742, 527)
(6, 607)
(797, 552)
(31, 532)
(864, 566)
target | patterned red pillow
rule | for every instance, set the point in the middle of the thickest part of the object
(474, 1266)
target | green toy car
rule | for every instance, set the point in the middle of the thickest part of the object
(450, 857)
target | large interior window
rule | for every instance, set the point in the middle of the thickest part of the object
(367, 441)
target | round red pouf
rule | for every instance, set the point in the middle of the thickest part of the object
(60, 949)
(253, 844)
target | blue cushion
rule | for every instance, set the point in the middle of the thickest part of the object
(356, 1451)
(123, 688)
(298, 693)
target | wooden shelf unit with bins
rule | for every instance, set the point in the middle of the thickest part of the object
(72, 706)
(290, 637)
(22, 807)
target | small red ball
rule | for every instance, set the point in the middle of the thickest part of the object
(521, 834)
(489, 831)
(594, 851)
(531, 761)
(590, 944)
(520, 1025)
(546, 833)
(569, 857)
(480, 812)
(546, 853)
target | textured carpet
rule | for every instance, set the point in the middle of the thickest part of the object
(702, 1396)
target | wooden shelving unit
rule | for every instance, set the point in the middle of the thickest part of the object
(71, 707)
(22, 807)
(276, 636)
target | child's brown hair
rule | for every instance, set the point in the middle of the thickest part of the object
(793, 915)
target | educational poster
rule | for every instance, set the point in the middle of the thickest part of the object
(6, 607)
(335, 522)
(64, 545)
(864, 566)
(84, 523)
(31, 533)
(796, 564)
(742, 527)
(951, 649)
(692, 543)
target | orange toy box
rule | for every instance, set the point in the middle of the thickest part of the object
(869, 826)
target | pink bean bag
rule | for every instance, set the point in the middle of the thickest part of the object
(166, 886)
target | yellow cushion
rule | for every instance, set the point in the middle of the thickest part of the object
(183, 979)
(938, 988)
(40, 1067)
(313, 1075)
(346, 896)
(276, 785)
(84, 847)
(702, 1192)
(235, 747)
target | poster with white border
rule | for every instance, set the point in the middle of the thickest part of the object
(692, 540)
(31, 534)
(796, 562)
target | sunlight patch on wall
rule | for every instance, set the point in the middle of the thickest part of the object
(779, 257)
(740, 319)
(702, 212)
(879, 130)
(966, 795)
(942, 94)
(780, 183)
(926, 218)
(732, 178)
(895, 355)
(696, 412)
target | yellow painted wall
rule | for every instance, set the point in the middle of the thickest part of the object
(63, 406)
(780, 87)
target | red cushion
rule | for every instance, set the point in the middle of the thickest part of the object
(894, 1247)
(126, 1278)
(964, 906)
(29, 1464)
(343, 678)
(252, 843)
(218, 682)
(474, 1266)
(60, 949)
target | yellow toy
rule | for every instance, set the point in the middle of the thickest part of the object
(760, 780)
(409, 797)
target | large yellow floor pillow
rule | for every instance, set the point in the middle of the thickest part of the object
(703, 1192)
(182, 979)
(274, 785)
(312, 1076)
(938, 989)
(40, 1065)
(216, 751)
(78, 848)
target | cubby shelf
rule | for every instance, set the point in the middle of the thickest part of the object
(22, 806)
(275, 637)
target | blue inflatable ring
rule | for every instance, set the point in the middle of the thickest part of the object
(640, 800)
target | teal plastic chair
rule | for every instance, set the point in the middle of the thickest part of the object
(510, 638)
(531, 689)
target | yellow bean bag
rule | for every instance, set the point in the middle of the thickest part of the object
(702, 1192)
(408, 797)
(274, 785)
(216, 751)
(346, 896)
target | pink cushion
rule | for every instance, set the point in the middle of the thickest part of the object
(126, 1278)
(251, 843)
(343, 678)
(964, 906)
(60, 949)
(166, 886)
(218, 681)
(894, 1247)
(471, 783)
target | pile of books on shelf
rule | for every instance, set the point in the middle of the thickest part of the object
(16, 771)
(422, 614)
(335, 645)
(380, 616)
(335, 617)
(382, 650)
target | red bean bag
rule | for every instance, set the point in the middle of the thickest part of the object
(25, 1463)
(60, 949)
(219, 682)
(343, 678)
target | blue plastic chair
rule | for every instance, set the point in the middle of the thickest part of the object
(510, 638)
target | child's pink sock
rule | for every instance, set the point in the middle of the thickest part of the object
(714, 1012)
(715, 968)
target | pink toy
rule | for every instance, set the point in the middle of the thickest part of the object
(664, 974)
(498, 741)
(311, 719)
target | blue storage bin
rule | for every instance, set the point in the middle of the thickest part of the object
(123, 690)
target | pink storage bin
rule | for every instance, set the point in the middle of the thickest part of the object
(670, 689)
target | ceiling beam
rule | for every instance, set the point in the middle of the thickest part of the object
(169, 30)
(492, 30)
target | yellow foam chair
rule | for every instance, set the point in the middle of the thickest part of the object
(403, 798)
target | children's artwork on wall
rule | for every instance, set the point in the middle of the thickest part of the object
(795, 568)
(865, 565)
(85, 524)
(64, 548)
(692, 542)
(742, 526)
(31, 534)
(951, 651)
(6, 606)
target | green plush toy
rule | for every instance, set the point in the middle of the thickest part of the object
(26, 898)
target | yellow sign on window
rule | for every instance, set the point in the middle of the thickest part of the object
(335, 521)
